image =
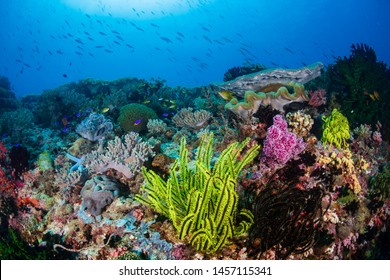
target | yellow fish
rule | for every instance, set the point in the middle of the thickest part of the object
(146, 101)
(172, 106)
(375, 96)
(105, 110)
(227, 95)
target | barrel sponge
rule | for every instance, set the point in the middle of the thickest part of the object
(135, 117)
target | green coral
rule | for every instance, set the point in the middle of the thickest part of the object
(202, 203)
(336, 130)
(134, 117)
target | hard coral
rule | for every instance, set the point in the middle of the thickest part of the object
(134, 117)
(97, 194)
(189, 119)
(95, 127)
(125, 155)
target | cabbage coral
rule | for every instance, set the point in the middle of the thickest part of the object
(336, 130)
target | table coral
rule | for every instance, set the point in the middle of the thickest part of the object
(259, 80)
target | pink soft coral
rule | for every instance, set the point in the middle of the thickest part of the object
(317, 97)
(281, 145)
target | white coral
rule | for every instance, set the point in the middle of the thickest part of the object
(123, 155)
(189, 119)
(156, 127)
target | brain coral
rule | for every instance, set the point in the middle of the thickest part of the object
(135, 117)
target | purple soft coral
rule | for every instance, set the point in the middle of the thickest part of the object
(281, 145)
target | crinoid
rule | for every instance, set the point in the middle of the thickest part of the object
(286, 218)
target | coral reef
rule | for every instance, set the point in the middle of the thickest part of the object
(135, 117)
(194, 187)
(317, 97)
(380, 184)
(299, 123)
(95, 127)
(202, 203)
(156, 127)
(192, 120)
(286, 219)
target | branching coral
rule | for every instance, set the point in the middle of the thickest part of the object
(336, 130)
(125, 155)
(202, 203)
(341, 164)
(189, 119)
(299, 123)
(156, 127)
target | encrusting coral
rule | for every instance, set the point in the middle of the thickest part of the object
(202, 202)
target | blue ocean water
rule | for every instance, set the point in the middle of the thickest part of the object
(46, 43)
